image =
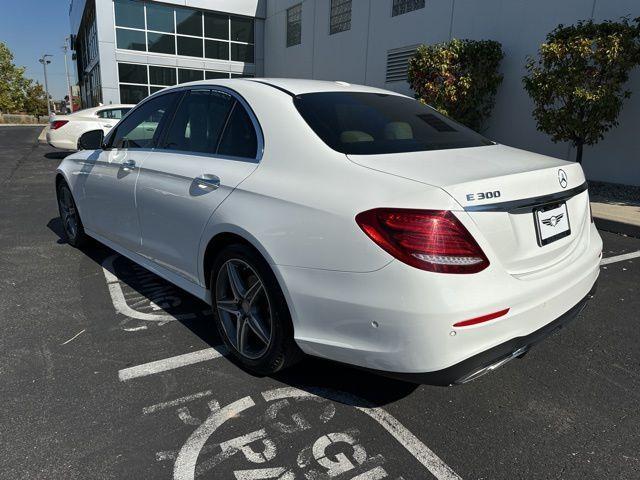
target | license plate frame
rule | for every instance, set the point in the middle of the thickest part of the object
(543, 239)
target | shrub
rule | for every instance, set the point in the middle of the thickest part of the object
(459, 78)
(577, 82)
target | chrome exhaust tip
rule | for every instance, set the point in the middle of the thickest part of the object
(490, 368)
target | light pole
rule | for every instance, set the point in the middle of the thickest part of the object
(43, 60)
(66, 70)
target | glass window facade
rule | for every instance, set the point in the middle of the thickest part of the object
(138, 80)
(294, 25)
(340, 16)
(157, 28)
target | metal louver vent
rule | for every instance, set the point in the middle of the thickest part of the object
(397, 63)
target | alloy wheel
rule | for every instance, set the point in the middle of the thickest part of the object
(68, 212)
(244, 308)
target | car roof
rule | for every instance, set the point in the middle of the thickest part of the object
(293, 86)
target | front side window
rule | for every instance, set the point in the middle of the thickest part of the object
(140, 129)
(199, 121)
(371, 123)
(405, 6)
(340, 20)
(294, 25)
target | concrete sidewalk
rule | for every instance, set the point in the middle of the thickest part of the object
(616, 208)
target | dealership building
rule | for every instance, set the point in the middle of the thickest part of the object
(128, 49)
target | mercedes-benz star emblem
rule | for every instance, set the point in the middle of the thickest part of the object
(562, 178)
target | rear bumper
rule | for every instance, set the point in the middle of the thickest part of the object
(487, 361)
(400, 319)
(59, 141)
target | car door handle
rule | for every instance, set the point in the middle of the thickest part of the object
(107, 125)
(128, 165)
(208, 182)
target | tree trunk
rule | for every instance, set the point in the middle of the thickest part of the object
(579, 146)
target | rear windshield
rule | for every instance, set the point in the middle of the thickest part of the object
(372, 123)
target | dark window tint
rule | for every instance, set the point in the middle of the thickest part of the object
(242, 29)
(370, 123)
(239, 138)
(133, 93)
(216, 26)
(215, 49)
(130, 39)
(161, 43)
(162, 75)
(213, 75)
(191, 47)
(188, 75)
(139, 129)
(113, 113)
(198, 122)
(241, 53)
(189, 22)
(159, 17)
(132, 73)
(129, 13)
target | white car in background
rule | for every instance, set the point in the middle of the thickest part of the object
(343, 221)
(65, 130)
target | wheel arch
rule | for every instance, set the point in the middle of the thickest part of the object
(229, 234)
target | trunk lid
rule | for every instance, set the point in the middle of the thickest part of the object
(499, 187)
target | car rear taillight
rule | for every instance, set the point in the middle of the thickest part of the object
(56, 124)
(432, 240)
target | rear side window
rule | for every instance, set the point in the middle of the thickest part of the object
(199, 121)
(239, 138)
(370, 123)
(142, 127)
(113, 113)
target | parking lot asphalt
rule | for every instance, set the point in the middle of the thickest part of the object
(107, 371)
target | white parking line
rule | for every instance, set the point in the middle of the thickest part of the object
(176, 402)
(171, 363)
(620, 258)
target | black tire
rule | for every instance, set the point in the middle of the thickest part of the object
(69, 216)
(281, 351)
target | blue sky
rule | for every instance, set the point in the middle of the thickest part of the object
(31, 28)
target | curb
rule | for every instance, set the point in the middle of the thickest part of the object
(617, 227)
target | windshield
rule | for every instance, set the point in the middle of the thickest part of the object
(372, 123)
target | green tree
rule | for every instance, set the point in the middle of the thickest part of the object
(36, 100)
(459, 78)
(12, 82)
(577, 83)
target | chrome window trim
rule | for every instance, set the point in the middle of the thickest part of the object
(528, 203)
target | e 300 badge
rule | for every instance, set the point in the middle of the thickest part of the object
(483, 195)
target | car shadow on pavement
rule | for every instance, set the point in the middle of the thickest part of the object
(324, 378)
(58, 155)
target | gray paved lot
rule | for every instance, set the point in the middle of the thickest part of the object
(81, 400)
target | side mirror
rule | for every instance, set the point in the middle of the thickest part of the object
(91, 140)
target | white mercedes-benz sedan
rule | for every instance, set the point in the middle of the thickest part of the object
(65, 130)
(342, 221)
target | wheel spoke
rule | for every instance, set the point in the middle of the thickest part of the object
(241, 334)
(251, 294)
(235, 282)
(228, 306)
(257, 328)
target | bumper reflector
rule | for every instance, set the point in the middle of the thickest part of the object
(484, 318)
